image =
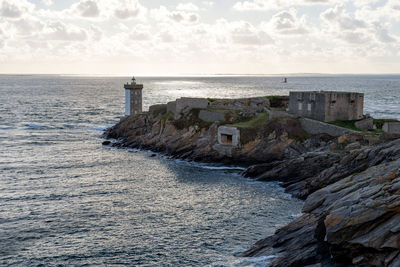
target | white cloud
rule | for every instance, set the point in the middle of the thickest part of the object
(60, 31)
(341, 18)
(122, 34)
(15, 8)
(288, 23)
(127, 9)
(87, 8)
(277, 4)
(163, 14)
(246, 34)
(187, 7)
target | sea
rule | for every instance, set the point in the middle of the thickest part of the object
(66, 200)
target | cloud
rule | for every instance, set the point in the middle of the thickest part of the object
(28, 26)
(126, 9)
(259, 5)
(15, 8)
(338, 16)
(187, 7)
(59, 31)
(287, 23)
(141, 33)
(246, 34)
(184, 17)
(382, 33)
(87, 8)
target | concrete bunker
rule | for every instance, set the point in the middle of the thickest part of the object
(229, 136)
(327, 106)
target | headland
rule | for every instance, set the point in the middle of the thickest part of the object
(347, 171)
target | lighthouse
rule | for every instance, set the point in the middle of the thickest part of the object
(133, 98)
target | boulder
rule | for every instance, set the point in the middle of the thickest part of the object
(366, 124)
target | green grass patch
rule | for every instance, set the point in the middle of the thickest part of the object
(211, 99)
(257, 121)
(380, 122)
(347, 124)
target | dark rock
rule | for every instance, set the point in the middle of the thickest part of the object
(354, 221)
(106, 143)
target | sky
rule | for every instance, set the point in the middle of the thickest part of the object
(171, 37)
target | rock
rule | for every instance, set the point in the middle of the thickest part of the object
(342, 139)
(333, 146)
(352, 146)
(106, 143)
(366, 124)
(354, 221)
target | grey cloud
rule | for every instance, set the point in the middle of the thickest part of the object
(354, 37)
(246, 34)
(286, 22)
(28, 27)
(88, 9)
(11, 9)
(60, 32)
(184, 17)
(176, 16)
(126, 13)
(383, 35)
(166, 37)
(339, 16)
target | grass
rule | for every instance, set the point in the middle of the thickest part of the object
(380, 122)
(253, 122)
(347, 124)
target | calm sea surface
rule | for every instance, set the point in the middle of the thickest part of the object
(66, 200)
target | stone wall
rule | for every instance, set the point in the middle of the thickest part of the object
(342, 106)
(211, 116)
(392, 127)
(185, 104)
(171, 107)
(327, 106)
(307, 104)
(255, 104)
(318, 127)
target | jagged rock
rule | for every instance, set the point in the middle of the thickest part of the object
(352, 146)
(355, 221)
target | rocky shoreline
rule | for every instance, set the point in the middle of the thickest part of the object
(351, 186)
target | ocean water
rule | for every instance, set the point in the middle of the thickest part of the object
(67, 200)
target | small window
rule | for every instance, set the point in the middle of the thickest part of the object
(227, 139)
(300, 106)
(309, 107)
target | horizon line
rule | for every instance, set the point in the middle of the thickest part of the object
(192, 74)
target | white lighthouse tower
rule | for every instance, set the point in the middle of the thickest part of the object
(133, 98)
